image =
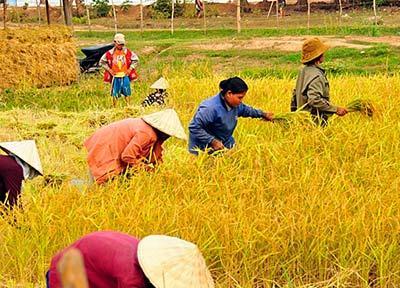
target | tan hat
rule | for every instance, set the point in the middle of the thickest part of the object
(25, 150)
(312, 48)
(166, 121)
(119, 38)
(172, 262)
(160, 84)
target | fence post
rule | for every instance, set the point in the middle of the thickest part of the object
(238, 18)
(115, 16)
(308, 13)
(141, 16)
(172, 16)
(376, 17)
(204, 17)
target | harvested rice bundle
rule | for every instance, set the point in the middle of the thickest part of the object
(288, 118)
(366, 107)
(37, 57)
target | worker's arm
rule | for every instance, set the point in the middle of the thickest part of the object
(138, 149)
(315, 96)
(104, 63)
(247, 111)
(134, 61)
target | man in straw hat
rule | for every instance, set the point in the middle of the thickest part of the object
(113, 259)
(21, 162)
(132, 142)
(157, 97)
(312, 87)
(119, 64)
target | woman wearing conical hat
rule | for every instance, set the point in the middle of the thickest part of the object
(112, 259)
(312, 87)
(132, 142)
(22, 162)
(157, 97)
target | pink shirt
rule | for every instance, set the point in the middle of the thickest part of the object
(110, 261)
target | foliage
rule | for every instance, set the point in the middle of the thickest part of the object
(102, 7)
(164, 7)
(125, 5)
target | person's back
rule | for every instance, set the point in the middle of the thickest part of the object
(110, 260)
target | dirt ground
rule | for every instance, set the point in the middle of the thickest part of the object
(293, 44)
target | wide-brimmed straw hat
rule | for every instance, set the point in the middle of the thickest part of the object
(170, 262)
(119, 38)
(312, 48)
(167, 121)
(160, 84)
(26, 151)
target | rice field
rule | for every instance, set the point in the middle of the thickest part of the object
(291, 206)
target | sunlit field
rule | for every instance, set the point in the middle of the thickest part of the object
(290, 206)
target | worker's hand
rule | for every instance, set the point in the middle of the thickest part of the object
(268, 116)
(217, 145)
(128, 72)
(341, 111)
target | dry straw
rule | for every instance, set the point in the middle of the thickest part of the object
(38, 57)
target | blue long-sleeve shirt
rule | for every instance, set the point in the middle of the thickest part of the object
(214, 119)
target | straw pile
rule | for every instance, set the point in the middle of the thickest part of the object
(40, 57)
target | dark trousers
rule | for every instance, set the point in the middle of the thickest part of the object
(11, 177)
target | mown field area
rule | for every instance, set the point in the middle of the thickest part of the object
(289, 206)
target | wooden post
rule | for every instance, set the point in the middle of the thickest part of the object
(270, 9)
(204, 17)
(277, 13)
(88, 16)
(4, 14)
(172, 16)
(141, 16)
(115, 16)
(308, 13)
(67, 12)
(47, 11)
(340, 11)
(375, 14)
(38, 10)
(238, 19)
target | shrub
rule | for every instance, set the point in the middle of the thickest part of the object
(101, 7)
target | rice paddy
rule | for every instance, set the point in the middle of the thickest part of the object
(292, 205)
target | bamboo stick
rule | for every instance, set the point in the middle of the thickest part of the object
(172, 16)
(238, 18)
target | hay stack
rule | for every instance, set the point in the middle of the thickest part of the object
(37, 56)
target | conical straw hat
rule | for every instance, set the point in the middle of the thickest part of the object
(160, 84)
(166, 121)
(170, 262)
(25, 150)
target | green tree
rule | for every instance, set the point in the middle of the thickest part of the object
(101, 7)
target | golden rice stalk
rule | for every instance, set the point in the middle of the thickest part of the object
(365, 107)
(288, 118)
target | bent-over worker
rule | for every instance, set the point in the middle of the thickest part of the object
(113, 259)
(132, 142)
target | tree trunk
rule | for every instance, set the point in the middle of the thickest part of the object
(67, 12)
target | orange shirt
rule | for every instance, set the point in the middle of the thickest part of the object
(119, 64)
(129, 142)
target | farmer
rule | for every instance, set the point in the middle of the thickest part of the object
(312, 87)
(158, 96)
(113, 259)
(215, 120)
(21, 163)
(119, 64)
(132, 142)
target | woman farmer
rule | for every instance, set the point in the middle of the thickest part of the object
(158, 96)
(215, 120)
(113, 259)
(132, 142)
(312, 87)
(22, 162)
